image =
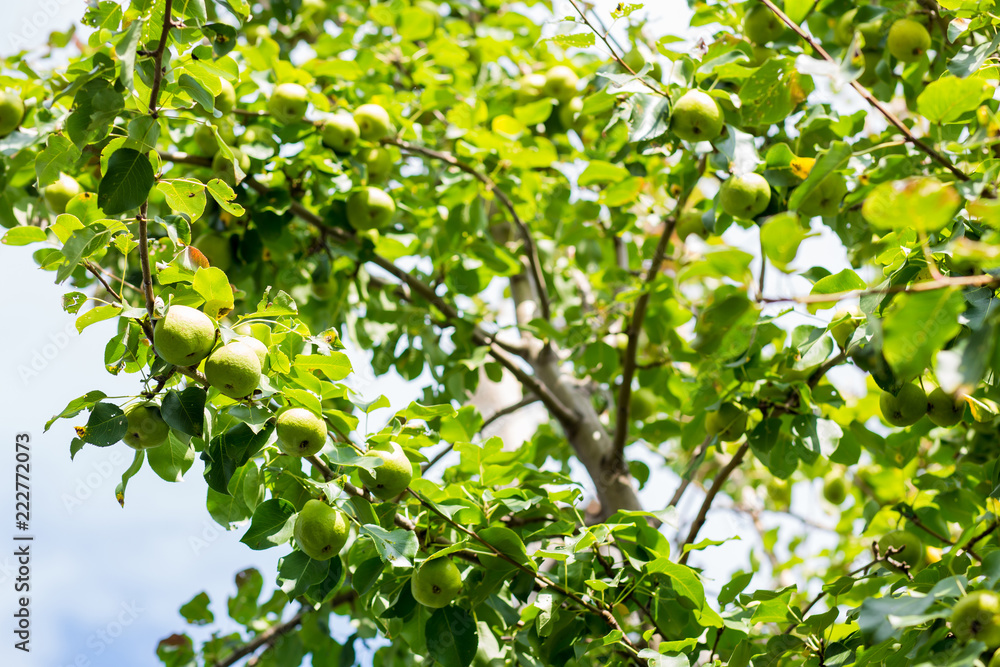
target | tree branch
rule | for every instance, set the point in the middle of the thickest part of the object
(881, 108)
(529, 244)
(266, 637)
(982, 280)
(635, 329)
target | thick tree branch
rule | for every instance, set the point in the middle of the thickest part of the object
(530, 248)
(861, 90)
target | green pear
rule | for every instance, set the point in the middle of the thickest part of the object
(843, 325)
(690, 223)
(370, 208)
(696, 117)
(530, 87)
(288, 103)
(779, 491)
(222, 167)
(912, 554)
(905, 408)
(341, 133)
(995, 660)
(976, 617)
(216, 248)
(226, 99)
(146, 428)
(644, 404)
(300, 432)
(436, 583)
(944, 409)
(393, 476)
(761, 25)
(908, 40)
(561, 83)
(258, 134)
(208, 145)
(184, 336)
(321, 531)
(233, 369)
(569, 114)
(745, 196)
(58, 194)
(834, 488)
(824, 200)
(11, 111)
(843, 31)
(379, 162)
(258, 347)
(729, 422)
(373, 121)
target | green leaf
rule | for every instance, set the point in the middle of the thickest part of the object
(772, 92)
(685, 580)
(106, 426)
(917, 326)
(24, 235)
(335, 367)
(60, 154)
(171, 459)
(452, 637)
(580, 40)
(76, 406)
(185, 410)
(231, 450)
(271, 524)
(650, 117)
(396, 547)
(126, 49)
(132, 471)
(948, 99)
(845, 281)
(599, 171)
(127, 182)
(915, 203)
(224, 195)
(212, 285)
(297, 572)
(196, 612)
(780, 237)
(184, 196)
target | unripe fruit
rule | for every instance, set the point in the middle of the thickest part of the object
(184, 336)
(824, 200)
(779, 491)
(393, 476)
(11, 111)
(58, 194)
(341, 133)
(373, 122)
(530, 87)
(690, 223)
(906, 408)
(321, 531)
(696, 117)
(908, 40)
(258, 347)
(729, 422)
(834, 489)
(912, 550)
(370, 208)
(569, 114)
(844, 324)
(300, 432)
(976, 617)
(943, 409)
(288, 102)
(745, 196)
(561, 83)
(761, 25)
(146, 428)
(226, 99)
(436, 583)
(223, 169)
(208, 145)
(379, 162)
(233, 369)
(643, 404)
(636, 61)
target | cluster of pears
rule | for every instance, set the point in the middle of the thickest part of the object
(367, 207)
(906, 407)
(559, 83)
(185, 336)
(907, 40)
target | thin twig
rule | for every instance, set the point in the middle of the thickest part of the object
(529, 244)
(982, 280)
(686, 482)
(861, 90)
(96, 271)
